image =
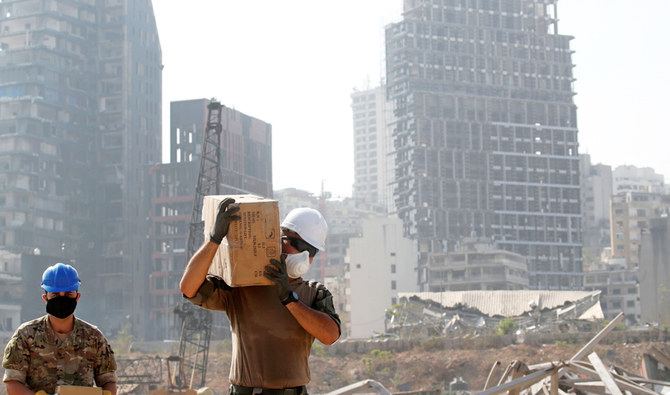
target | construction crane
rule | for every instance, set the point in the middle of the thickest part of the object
(209, 175)
(196, 326)
(188, 369)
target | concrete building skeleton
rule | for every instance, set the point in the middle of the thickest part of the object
(80, 121)
(485, 132)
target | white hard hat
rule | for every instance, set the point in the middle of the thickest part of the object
(309, 224)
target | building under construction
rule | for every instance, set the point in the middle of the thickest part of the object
(485, 132)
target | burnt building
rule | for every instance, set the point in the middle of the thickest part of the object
(485, 132)
(80, 122)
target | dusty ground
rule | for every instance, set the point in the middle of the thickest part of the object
(428, 367)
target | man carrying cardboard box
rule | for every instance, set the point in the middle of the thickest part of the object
(58, 349)
(273, 327)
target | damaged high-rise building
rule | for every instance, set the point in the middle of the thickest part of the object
(485, 132)
(80, 121)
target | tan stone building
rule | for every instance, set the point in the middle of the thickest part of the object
(630, 213)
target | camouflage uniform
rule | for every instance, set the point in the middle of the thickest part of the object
(37, 358)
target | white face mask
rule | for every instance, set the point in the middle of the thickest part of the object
(297, 264)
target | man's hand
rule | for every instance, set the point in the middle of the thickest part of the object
(276, 272)
(223, 219)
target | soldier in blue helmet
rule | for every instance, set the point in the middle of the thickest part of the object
(58, 348)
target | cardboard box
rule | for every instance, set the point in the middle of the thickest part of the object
(250, 243)
(79, 390)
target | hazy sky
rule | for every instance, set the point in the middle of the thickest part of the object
(295, 63)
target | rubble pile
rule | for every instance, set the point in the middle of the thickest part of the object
(584, 373)
(423, 315)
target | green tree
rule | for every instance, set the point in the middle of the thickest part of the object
(123, 340)
(506, 326)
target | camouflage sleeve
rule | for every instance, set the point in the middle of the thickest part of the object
(16, 359)
(212, 295)
(324, 303)
(105, 370)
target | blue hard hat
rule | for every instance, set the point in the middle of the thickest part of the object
(60, 278)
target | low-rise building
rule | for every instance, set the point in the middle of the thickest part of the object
(630, 213)
(478, 265)
(619, 288)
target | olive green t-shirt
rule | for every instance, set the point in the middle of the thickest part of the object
(37, 358)
(270, 348)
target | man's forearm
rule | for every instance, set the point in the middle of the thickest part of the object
(15, 388)
(111, 387)
(318, 324)
(197, 268)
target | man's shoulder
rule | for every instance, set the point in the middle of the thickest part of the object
(89, 329)
(315, 285)
(315, 288)
(27, 334)
(31, 326)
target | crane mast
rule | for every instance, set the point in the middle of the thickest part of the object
(197, 323)
(209, 175)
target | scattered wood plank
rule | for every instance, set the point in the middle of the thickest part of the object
(596, 339)
(554, 383)
(520, 383)
(584, 369)
(575, 375)
(604, 374)
(488, 378)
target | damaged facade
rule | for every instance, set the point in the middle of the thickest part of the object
(80, 120)
(485, 133)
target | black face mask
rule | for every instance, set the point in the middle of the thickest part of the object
(61, 306)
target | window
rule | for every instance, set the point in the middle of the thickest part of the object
(630, 303)
(393, 268)
(392, 284)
